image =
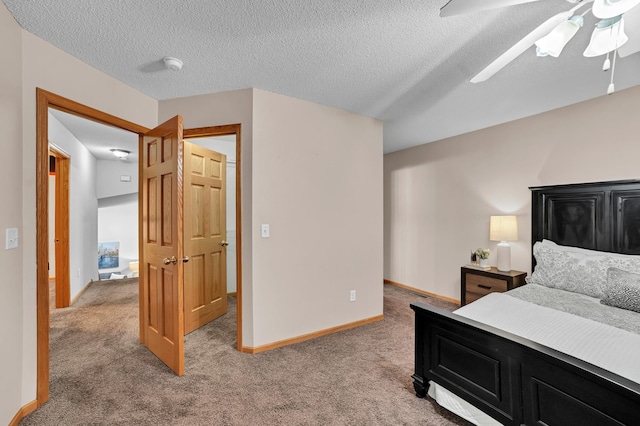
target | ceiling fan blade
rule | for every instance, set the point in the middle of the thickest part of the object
(604, 9)
(459, 7)
(528, 41)
(632, 29)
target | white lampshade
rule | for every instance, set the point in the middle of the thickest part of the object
(553, 43)
(135, 268)
(503, 228)
(606, 37)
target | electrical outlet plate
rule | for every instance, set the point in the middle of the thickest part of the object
(352, 296)
(264, 230)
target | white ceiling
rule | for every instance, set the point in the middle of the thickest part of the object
(98, 138)
(394, 60)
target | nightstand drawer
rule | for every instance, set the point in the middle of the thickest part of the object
(484, 285)
(475, 283)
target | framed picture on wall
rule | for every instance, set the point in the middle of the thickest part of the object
(108, 255)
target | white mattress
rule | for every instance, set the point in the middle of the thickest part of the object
(608, 347)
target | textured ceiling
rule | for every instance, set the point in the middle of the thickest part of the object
(394, 60)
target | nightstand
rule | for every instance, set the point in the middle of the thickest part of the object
(475, 283)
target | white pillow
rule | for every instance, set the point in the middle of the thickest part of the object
(575, 269)
(116, 276)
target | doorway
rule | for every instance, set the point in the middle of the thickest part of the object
(44, 101)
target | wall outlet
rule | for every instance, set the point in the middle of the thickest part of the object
(352, 296)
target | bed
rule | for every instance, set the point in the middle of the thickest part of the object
(549, 353)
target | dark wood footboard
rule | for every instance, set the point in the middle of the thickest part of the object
(514, 380)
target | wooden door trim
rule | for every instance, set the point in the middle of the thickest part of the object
(44, 101)
(61, 231)
(225, 130)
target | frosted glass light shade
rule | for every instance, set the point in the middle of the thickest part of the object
(553, 43)
(606, 37)
(503, 228)
(120, 153)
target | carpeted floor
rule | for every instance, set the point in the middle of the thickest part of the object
(100, 374)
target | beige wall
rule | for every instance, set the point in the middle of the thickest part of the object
(11, 310)
(39, 64)
(45, 66)
(314, 174)
(439, 196)
(317, 181)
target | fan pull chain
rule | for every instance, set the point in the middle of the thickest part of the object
(611, 87)
(607, 63)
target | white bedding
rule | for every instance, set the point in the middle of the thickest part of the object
(608, 347)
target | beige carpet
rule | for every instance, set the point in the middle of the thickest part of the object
(100, 374)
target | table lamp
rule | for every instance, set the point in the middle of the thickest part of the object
(503, 229)
(135, 268)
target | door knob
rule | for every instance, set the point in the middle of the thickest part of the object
(224, 243)
(167, 261)
(173, 260)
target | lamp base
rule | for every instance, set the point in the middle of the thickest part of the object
(504, 256)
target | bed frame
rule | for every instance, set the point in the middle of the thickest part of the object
(517, 381)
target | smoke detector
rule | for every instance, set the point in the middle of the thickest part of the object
(174, 64)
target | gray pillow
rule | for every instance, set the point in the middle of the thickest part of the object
(622, 290)
(575, 269)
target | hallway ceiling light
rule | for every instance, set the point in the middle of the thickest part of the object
(120, 153)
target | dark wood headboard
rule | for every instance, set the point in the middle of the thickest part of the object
(602, 216)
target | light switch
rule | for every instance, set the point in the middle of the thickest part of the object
(12, 238)
(265, 230)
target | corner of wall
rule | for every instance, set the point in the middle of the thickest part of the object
(15, 371)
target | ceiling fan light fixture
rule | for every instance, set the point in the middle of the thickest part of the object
(606, 37)
(553, 43)
(604, 9)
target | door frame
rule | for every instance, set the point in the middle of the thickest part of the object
(227, 130)
(44, 101)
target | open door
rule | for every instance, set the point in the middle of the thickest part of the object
(161, 265)
(205, 230)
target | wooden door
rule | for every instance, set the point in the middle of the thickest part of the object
(205, 281)
(161, 271)
(61, 229)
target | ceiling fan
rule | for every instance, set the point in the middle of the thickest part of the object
(617, 31)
